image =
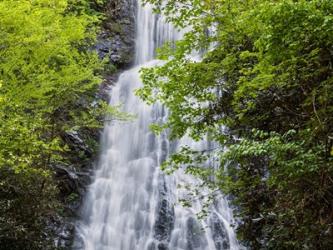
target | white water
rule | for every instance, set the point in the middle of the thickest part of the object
(131, 204)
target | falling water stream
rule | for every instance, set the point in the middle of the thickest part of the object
(131, 204)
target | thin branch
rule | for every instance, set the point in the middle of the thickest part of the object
(315, 110)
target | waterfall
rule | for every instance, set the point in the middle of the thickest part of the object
(131, 204)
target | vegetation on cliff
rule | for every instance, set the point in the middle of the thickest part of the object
(264, 88)
(49, 77)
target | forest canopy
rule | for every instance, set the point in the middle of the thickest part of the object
(263, 89)
(49, 77)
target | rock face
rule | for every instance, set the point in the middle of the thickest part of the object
(73, 139)
(65, 234)
(72, 179)
(195, 235)
(165, 217)
(117, 40)
(219, 232)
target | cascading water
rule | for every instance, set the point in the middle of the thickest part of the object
(131, 204)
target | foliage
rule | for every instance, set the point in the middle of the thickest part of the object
(48, 80)
(265, 74)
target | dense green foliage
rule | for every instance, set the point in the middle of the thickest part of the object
(266, 75)
(48, 81)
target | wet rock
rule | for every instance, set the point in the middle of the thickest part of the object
(151, 246)
(219, 232)
(65, 236)
(105, 88)
(195, 235)
(164, 150)
(70, 180)
(165, 215)
(158, 246)
(151, 142)
(117, 40)
(162, 246)
(78, 243)
(68, 177)
(76, 143)
(139, 222)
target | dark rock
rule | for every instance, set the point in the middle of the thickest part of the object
(165, 214)
(78, 243)
(162, 246)
(117, 40)
(66, 235)
(68, 178)
(164, 150)
(151, 246)
(195, 235)
(220, 235)
(74, 141)
(151, 142)
(158, 246)
(72, 185)
(105, 88)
